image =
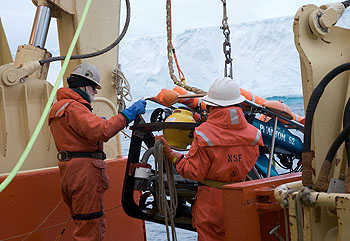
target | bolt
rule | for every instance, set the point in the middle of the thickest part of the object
(11, 77)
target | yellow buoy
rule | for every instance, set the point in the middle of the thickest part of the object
(179, 138)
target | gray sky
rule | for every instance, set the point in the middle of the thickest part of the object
(148, 16)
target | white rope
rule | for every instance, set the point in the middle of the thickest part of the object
(123, 89)
(166, 207)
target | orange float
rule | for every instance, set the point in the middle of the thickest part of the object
(190, 102)
(168, 97)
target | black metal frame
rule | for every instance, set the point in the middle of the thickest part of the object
(142, 132)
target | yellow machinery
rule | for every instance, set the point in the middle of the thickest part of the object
(316, 213)
(34, 194)
(178, 138)
(24, 90)
(313, 214)
(5, 56)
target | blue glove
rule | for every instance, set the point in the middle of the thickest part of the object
(136, 109)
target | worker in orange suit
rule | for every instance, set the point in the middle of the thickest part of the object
(79, 137)
(223, 151)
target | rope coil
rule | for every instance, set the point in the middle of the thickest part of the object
(123, 89)
(66, 59)
(166, 207)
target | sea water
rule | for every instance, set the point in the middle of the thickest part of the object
(157, 232)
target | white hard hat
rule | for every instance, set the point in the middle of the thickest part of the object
(223, 92)
(89, 72)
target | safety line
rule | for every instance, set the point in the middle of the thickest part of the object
(130, 138)
(63, 230)
(43, 117)
(24, 234)
(45, 219)
(56, 225)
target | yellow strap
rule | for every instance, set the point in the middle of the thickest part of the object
(216, 184)
(174, 160)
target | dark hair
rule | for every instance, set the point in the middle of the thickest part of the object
(208, 107)
(75, 81)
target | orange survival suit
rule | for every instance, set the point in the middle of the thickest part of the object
(224, 149)
(84, 179)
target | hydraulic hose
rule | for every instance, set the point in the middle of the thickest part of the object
(102, 51)
(322, 180)
(310, 111)
(346, 3)
(344, 134)
(346, 121)
(46, 110)
(147, 154)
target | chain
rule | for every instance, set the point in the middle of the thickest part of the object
(226, 45)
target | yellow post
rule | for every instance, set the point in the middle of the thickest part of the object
(5, 53)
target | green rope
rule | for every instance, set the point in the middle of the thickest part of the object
(43, 117)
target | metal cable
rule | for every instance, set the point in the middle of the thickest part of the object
(166, 207)
(94, 54)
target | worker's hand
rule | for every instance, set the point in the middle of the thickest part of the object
(139, 107)
(166, 148)
(161, 138)
(172, 156)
